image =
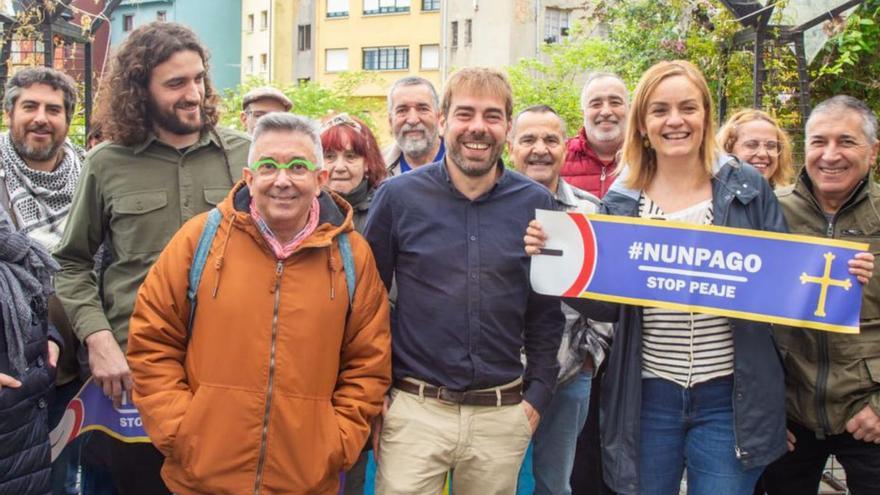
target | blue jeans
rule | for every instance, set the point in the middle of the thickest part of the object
(693, 429)
(556, 437)
(65, 466)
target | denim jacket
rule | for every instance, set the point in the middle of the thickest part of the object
(740, 198)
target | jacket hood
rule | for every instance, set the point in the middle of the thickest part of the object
(335, 216)
(334, 219)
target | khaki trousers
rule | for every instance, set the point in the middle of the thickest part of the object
(423, 438)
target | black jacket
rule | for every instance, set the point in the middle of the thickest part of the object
(740, 198)
(24, 421)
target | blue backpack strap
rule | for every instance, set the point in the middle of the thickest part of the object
(348, 266)
(198, 264)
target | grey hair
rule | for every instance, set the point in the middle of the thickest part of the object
(413, 81)
(539, 109)
(289, 122)
(27, 77)
(592, 76)
(849, 103)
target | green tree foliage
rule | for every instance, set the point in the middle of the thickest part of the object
(628, 36)
(310, 99)
(850, 61)
(637, 34)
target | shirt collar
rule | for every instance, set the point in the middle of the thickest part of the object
(564, 194)
(205, 137)
(500, 182)
(441, 152)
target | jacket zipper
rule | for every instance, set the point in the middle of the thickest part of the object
(822, 372)
(736, 449)
(261, 461)
(823, 358)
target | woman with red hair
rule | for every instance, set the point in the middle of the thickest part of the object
(354, 161)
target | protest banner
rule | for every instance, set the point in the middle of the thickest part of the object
(738, 273)
(91, 410)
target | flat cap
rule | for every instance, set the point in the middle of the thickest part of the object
(263, 93)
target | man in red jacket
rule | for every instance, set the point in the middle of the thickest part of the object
(590, 159)
(591, 154)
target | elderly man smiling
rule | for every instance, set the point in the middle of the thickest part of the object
(274, 387)
(833, 380)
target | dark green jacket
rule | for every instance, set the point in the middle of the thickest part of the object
(831, 376)
(135, 199)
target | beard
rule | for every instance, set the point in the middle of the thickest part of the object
(593, 131)
(37, 153)
(415, 146)
(171, 122)
(474, 168)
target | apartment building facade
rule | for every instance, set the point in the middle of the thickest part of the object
(272, 43)
(496, 34)
(217, 23)
(389, 38)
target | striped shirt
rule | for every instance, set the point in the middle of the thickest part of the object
(686, 348)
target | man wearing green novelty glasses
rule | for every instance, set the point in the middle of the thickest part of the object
(283, 193)
(285, 364)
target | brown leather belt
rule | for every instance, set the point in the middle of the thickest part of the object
(499, 396)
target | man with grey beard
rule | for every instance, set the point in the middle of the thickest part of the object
(413, 115)
(591, 154)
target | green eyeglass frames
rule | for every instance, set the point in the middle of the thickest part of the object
(269, 167)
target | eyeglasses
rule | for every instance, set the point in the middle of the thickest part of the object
(771, 147)
(268, 167)
(340, 119)
(256, 114)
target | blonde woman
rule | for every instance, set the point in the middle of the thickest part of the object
(755, 137)
(686, 390)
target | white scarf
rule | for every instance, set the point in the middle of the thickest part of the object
(40, 201)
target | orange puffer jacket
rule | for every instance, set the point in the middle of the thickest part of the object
(276, 389)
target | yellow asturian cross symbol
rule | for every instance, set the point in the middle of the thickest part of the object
(824, 282)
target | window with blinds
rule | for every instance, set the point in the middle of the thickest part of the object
(386, 58)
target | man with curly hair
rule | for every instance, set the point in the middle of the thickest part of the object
(163, 162)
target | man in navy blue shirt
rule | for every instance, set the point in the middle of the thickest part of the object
(450, 233)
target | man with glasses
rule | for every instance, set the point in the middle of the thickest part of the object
(272, 386)
(260, 101)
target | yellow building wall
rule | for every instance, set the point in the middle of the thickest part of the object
(357, 31)
(283, 38)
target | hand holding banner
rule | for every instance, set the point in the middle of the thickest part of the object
(89, 410)
(749, 274)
